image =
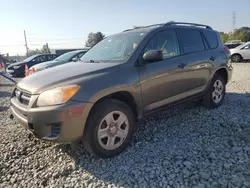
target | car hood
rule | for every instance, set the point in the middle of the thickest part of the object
(16, 64)
(70, 73)
(43, 65)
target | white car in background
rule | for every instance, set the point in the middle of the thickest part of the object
(241, 52)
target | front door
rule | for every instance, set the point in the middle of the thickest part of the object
(162, 82)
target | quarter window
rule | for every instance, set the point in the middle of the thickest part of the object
(190, 40)
(166, 42)
(211, 38)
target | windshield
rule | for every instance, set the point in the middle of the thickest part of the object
(115, 48)
(66, 56)
(30, 58)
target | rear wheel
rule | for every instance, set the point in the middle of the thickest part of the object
(236, 58)
(109, 128)
(216, 92)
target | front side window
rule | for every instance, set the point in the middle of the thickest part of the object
(31, 58)
(77, 56)
(80, 55)
(166, 42)
(40, 59)
(247, 46)
(190, 40)
(115, 48)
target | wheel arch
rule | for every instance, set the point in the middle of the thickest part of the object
(222, 72)
(127, 94)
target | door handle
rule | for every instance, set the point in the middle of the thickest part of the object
(182, 65)
(212, 58)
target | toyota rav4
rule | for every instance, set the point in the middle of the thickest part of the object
(121, 79)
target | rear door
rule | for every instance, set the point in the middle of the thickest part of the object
(198, 59)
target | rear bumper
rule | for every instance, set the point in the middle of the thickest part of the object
(62, 123)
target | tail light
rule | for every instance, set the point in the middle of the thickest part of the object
(229, 61)
(227, 49)
(1, 65)
(33, 70)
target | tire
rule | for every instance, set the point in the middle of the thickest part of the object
(236, 58)
(98, 132)
(211, 98)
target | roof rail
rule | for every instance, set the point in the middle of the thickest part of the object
(185, 23)
(144, 27)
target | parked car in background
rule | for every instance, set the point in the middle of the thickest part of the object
(233, 41)
(230, 46)
(18, 69)
(241, 52)
(62, 59)
(121, 79)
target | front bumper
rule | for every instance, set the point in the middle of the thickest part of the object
(62, 123)
(15, 72)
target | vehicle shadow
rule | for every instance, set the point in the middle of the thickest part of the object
(6, 85)
(110, 170)
(5, 94)
(3, 108)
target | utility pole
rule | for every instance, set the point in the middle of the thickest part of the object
(47, 46)
(26, 45)
(234, 23)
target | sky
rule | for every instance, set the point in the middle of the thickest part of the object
(67, 23)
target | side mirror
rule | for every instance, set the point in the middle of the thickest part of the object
(75, 59)
(153, 56)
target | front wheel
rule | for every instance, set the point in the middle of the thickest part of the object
(216, 92)
(109, 128)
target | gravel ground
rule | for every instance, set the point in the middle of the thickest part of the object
(186, 146)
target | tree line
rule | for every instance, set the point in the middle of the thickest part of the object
(242, 34)
(93, 39)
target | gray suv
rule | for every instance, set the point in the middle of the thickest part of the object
(123, 78)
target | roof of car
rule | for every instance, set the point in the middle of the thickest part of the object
(43, 54)
(169, 24)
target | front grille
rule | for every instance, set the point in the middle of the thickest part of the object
(22, 97)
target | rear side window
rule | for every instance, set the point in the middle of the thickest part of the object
(190, 40)
(51, 57)
(211, 38)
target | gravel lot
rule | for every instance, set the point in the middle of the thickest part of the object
(186, 146)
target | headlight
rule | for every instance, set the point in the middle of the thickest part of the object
(16, 67)
(57, 96)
